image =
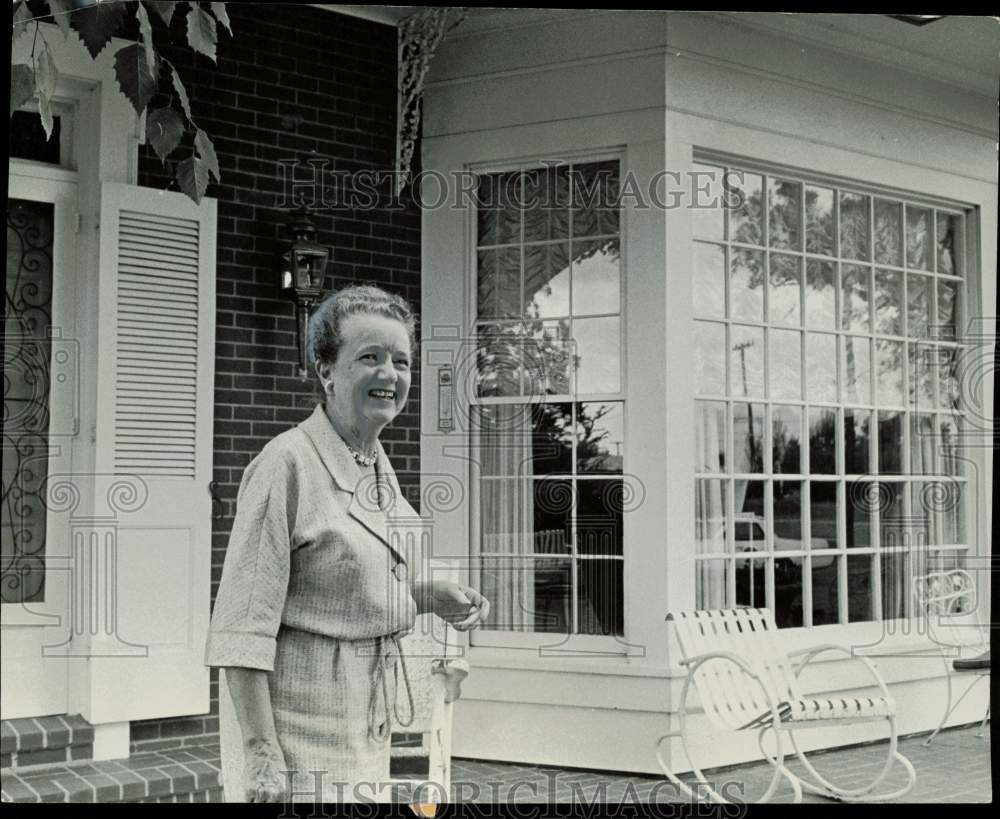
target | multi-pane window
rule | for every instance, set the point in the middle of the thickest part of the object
(548, 410)
(827, 408)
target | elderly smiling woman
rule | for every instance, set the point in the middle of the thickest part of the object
(313, 597)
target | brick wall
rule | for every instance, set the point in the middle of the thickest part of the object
(294, 82)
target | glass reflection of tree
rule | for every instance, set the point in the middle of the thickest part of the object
(888, 238)
(822, 443)
(854, 227)
(540, 348)
(786, 449)
(819, 223)
(856, 437)
(552, 429)
(748, 220)
(820, 233)
(752, 453)
(946, 244)
(820, 226)
(591, 453)
(917, 245)
(784, 215)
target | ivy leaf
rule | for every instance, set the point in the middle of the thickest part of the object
(22, 16)
(192, 177)
(46, 74)
(181, 93)
(219, 10)
(45, 112)
(97, 24)
(201, 31)
(134, 77)
(61, 13)
(165, 10)
(164, 129)
(45, 87)
(146, 30)
(22, 85)
(206, 150)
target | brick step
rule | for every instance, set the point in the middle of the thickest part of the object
(189, 774)
(29, 742)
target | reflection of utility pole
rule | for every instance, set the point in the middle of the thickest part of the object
(618, 449)
(742, 348)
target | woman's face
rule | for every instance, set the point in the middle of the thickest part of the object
(371, 377)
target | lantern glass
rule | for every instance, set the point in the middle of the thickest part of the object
(286, 271)
(310, 267)
(302, 277)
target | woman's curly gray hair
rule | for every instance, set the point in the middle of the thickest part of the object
(325, 323)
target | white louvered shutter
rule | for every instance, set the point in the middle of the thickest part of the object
(156, 332)
(156, 384)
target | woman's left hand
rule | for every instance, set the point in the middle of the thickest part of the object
(461, 606)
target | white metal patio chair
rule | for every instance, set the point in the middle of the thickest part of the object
(947, 599)
(746, 682)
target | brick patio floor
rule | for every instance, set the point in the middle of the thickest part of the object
(955, 768)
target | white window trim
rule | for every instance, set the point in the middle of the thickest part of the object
(550, 644)
(896, 633)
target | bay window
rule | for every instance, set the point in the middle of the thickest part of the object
(827, 368)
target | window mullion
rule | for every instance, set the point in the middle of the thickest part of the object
(879, 610)
(805, 493)
(843, 611)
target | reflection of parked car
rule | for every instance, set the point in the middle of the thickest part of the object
(748, 536)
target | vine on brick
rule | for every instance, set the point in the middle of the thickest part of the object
(139, 70)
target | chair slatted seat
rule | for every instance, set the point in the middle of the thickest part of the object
(746, 681)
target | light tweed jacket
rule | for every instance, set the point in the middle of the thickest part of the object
(310, 548)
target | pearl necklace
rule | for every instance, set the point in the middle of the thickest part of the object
(361, 458)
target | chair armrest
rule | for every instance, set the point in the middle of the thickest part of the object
(815, 649)
(808, 654)
(698, 659)
(453, 672)
(980, 663)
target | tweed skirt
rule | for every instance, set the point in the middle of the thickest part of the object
(332, 701)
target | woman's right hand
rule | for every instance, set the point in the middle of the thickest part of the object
(264, 772)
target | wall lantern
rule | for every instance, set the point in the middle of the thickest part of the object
(303, 269)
